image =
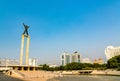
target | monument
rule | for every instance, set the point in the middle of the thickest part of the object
(25, 41)
(26, 36)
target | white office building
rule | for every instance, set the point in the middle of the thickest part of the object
(65, 58)
(75, 57)
(111, 51)
(33, 62)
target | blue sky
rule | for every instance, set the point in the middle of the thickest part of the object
(86, 26)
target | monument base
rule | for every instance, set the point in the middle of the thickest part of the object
(24, 68)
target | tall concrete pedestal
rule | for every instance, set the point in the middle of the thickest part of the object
(24, 36)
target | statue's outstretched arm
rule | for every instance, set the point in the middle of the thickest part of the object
(24, 25)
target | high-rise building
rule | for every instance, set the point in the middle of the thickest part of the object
(111, 51)
(65, 58)
(75, 57)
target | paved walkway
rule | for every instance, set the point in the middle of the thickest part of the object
(8, 78)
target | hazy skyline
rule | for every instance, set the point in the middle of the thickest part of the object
(86, 26)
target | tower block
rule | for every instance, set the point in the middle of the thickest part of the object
(22, 48)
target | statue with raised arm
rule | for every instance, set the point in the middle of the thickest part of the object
(26, 29)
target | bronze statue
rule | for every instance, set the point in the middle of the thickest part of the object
(26, 29)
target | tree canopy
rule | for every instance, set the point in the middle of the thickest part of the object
(114, 62)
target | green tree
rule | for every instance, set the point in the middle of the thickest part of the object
(45, 67)
(73, 66)
(114, 62)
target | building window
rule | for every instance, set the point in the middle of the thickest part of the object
(62, 56)
(78, 56)
(62, 62)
